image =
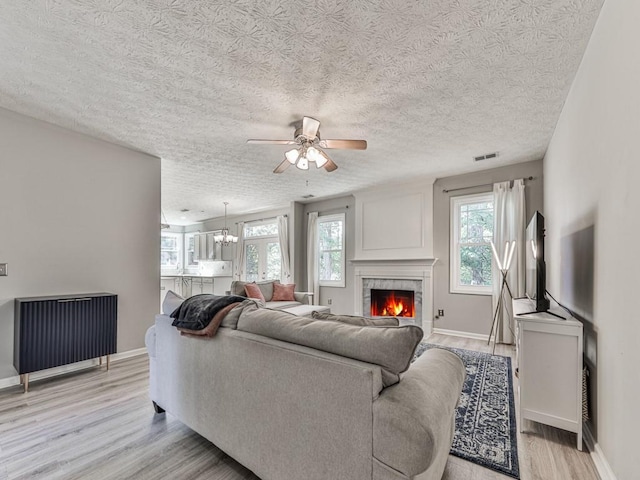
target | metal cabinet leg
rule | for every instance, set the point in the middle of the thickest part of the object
(24, 380)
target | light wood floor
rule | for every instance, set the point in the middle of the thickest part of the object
(100, 425)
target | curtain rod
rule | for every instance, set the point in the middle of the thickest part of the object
(263, 219)
(445, 190)
(337, 209)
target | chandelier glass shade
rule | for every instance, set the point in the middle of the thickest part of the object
(225, 238)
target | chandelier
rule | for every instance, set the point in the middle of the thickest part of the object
(225, 238)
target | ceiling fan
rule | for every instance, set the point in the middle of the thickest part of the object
(309, 147)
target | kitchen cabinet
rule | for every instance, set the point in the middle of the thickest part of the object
(201, 285)
(205, 247)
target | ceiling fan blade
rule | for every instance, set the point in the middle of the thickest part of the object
(345, 144)
(282, 167)
(271, 142)
(310, 127)
(330, 166)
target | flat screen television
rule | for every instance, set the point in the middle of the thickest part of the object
(535, 281)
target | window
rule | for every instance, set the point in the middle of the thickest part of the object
(170, 251)
(263, 260)
(331, 261)
(471, 236)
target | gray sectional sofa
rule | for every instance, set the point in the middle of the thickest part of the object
(295, 398)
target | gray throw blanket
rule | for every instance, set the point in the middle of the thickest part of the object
(196, 312)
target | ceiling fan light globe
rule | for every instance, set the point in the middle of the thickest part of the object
(313, 154)
(292, 156)
(303, 163)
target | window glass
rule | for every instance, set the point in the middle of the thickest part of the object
(260, 229)
(252, 262)
(331, 254)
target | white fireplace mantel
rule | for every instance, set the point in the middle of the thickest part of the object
(405, 269)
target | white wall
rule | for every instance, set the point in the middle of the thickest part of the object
(592, 198)
(77, 215)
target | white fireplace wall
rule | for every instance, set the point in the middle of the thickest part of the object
(395, 222)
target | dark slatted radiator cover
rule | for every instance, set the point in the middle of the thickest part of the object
(54, 331)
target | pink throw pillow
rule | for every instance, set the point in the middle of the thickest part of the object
(253, 291)
(283, 292)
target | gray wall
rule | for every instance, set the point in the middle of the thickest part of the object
(592, 197)
(462, 312)
(341, 298)
(77, 215)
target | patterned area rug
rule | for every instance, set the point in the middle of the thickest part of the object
(486, 416)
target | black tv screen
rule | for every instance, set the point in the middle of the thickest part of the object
(535, 281)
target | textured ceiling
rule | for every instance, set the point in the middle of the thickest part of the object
(428, 84)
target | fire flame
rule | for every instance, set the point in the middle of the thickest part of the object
(390, 306)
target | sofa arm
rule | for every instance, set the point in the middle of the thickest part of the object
(413, 420)
(305, 298)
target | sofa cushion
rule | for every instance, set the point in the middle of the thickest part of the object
(391, 348)
(283, 292)
(171, 301)
(354, 320)
(230, 320)
(253, 291)
(237, 288)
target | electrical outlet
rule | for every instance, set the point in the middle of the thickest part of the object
(441, 313)
(329, 301)
(3, 270)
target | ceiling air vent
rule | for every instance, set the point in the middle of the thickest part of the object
(485, 157)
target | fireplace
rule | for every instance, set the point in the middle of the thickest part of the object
(410, 282)
(392, 303)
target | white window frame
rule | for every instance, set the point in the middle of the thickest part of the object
(454, 249)
(341, 217)
(180, 244)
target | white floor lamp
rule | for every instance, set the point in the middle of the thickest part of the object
(503, 266)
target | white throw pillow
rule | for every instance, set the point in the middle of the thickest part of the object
(171, 301)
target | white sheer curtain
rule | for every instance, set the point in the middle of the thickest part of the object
(509, 224)
(239, 258)
(283, 237)
(313, 283)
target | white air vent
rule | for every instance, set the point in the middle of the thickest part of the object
(485, 157)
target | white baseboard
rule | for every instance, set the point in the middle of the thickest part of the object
(457, 333)
(73, 367)
(597, 455)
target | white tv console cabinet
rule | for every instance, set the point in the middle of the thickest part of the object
(549, 366)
